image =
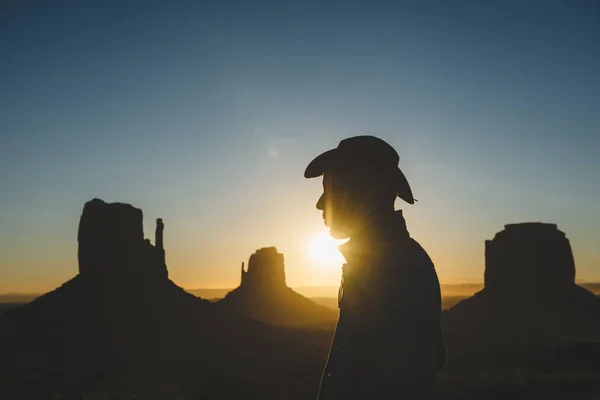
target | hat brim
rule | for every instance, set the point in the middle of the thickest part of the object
(322, 162)
(318, 166)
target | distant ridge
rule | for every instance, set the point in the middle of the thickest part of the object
(18, 297)
(448, 289)
(209, 294)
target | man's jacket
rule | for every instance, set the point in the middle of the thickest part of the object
(388, 338)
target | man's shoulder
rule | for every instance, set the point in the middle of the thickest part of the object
(410, 266)
(419, 251)
(408, 251)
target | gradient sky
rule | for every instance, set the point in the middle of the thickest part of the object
(206, 114)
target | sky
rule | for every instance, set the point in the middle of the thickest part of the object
(206, 114)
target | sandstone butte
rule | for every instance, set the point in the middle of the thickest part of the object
(263, 295)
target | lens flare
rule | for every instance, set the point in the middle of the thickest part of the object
(323, 251)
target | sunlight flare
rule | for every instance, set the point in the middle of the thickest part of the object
(323, 251)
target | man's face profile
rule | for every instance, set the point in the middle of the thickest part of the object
(352, 196)
(338, 204)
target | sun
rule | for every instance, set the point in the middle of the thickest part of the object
(323, 251)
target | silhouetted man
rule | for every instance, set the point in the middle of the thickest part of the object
(388, 340)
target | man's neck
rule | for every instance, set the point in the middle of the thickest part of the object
(374, 224)
(374, 232)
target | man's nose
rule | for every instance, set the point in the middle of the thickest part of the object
(321, 203)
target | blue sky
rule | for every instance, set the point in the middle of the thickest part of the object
(206, 113)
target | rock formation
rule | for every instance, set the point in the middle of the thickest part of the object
(529, 298)
(265, 268)
(264, 296)
(120, 307)
(121, 318)
(529, 259)
(112, 245)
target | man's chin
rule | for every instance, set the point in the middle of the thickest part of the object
(339, 234)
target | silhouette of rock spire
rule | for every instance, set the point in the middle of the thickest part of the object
(158, 241)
